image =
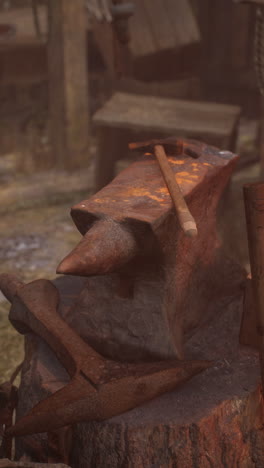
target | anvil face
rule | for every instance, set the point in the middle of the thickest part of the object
(156, 284)
(139, 193)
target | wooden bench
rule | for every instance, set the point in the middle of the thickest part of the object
(127, 116)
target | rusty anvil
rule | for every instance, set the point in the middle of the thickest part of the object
(100, 388)
(147, 285)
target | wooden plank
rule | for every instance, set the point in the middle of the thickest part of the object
(142, 40)
(20, 42)
(103, 36)
(185, 26)
(202, 13)
(68, 84)
(171, 116)
(160, 24)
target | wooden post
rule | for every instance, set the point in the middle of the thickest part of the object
(261, 136)
(68, 84)
(254, 203)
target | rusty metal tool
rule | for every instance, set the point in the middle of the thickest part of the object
(254, 208)
(99, 388)
(158, 147)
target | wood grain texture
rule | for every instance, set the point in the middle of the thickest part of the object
(186, 29)
(68, 84)
(241, 43)
(162, 24)
(142, 41)
(186, 118)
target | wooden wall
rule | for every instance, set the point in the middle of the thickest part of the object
(227, 31)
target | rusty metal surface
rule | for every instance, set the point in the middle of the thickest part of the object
(122, 219)
(140, 194)
(160, 148)
(99, 388)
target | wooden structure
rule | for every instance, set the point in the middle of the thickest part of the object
(167, 32)
(227, 31)
(26, 59)
(23, 55)
(68, 80)
(160, 31)
(125, 113)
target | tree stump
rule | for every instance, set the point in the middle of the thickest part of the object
(215, 420)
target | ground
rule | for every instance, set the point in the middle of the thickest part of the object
(36, 230)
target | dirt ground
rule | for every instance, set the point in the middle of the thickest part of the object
(34, 237)
(32, 242)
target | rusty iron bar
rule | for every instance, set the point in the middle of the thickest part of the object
(185, 217)
(99, 388)
(254, 209)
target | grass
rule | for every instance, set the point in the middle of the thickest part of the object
(11, 345)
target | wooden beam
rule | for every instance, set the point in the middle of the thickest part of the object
(68, 84)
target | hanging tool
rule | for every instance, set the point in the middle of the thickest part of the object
(254, 208)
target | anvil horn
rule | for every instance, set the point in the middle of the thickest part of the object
(104, 248)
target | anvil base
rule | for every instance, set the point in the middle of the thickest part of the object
(216, 419)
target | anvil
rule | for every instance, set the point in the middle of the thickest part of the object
(99, 388)
(149, 285)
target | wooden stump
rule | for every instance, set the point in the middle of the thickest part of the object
(68, 80)
(215, 420)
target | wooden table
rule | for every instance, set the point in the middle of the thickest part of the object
(127, 113)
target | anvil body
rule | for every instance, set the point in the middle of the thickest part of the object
(147, 306)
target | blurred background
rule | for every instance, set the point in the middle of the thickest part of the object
(60, 63)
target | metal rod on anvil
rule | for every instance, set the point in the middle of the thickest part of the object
(185, 217)
(100, 388)
(186, 220)
(254, 208)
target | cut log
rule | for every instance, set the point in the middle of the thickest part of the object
(215, 420)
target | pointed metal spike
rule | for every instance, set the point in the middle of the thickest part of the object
(80, 401)
(147, 382)
(9, 285)
(54, 411)
(104, 248)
